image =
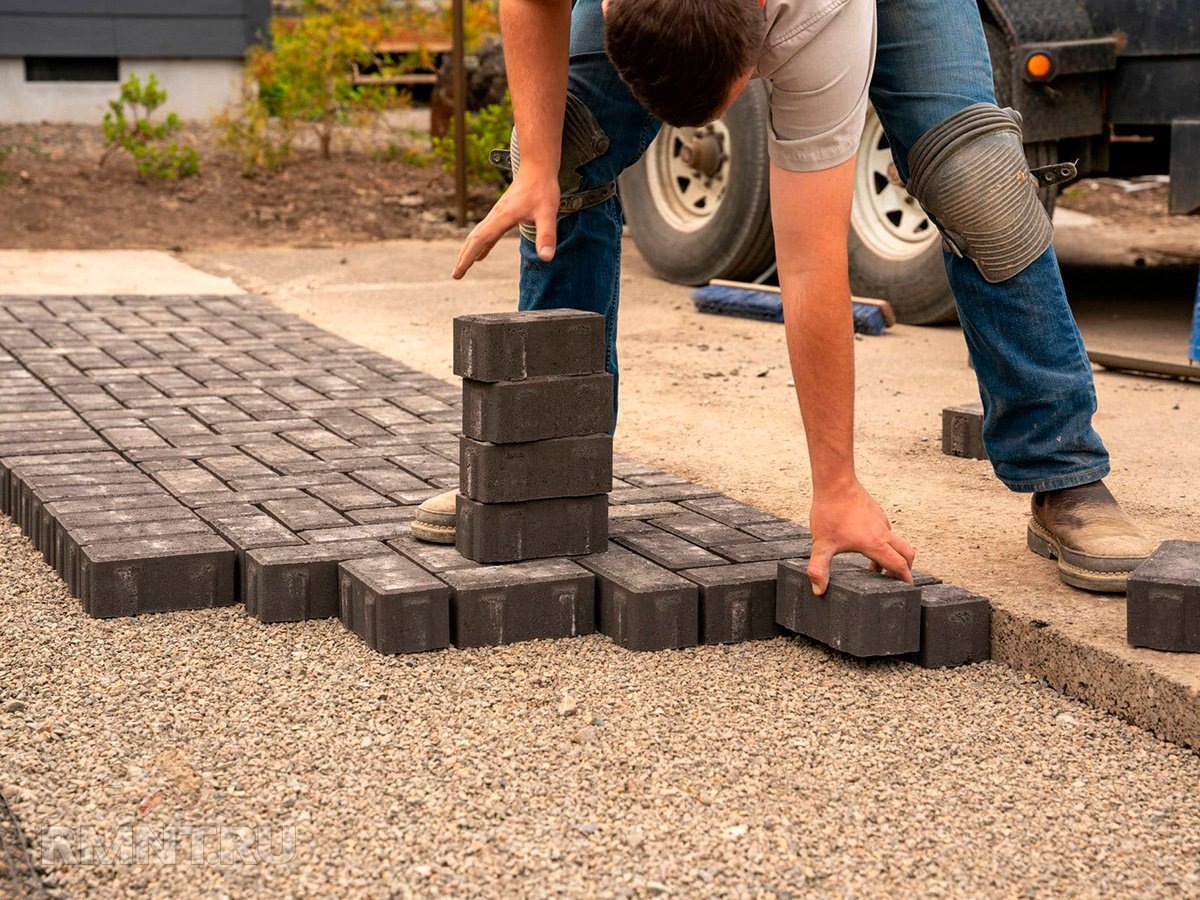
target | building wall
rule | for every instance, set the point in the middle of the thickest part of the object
(131, 28)
(196, 90)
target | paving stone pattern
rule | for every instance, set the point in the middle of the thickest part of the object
(182, 452)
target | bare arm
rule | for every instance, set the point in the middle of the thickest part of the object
(811, 212)
(536, 44)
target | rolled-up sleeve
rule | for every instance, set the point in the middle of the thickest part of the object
(820, 72)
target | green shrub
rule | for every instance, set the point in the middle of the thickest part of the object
(307, 78)
(127, 126)
(487, 129)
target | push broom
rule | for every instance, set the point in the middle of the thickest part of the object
(763, 302)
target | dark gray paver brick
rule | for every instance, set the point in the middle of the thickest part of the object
(380, 514)
(1163, 599)
(350, 495)
(514, 346)
(509, 412)
(291, 584)
(508, 532)
(492, 605)
(860, 613)
(776, 530)
(560, 467)
(727, 511)
(858, 561)
(701, 529)
(156, 575)
(962, 431)
(956, 627)
(643, 606)
(645, 511)
(669, 550)
(394, 605)
(737, 603)
(757, 551)
(305, 513)
(252, 532)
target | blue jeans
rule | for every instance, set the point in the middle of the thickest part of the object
(1034, 376)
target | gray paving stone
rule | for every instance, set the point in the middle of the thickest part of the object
(860, 613)
(378, 515)
(434, 558)
(669, 550)
(559, 467)
(351, 495)
(305, 513)
(394, 605)
(737, 602)
(508, 532)
(858, 561)
(1163, 599)
(666, 492)
(728, 511)
(509, 412)
(645, 511)
(701, 529)
(776, 530)
(956, 627)
(253, 532)
(962, 431)
(156, 575)
(642, 606)
(388, 480)
(377, 531)
(757, 551)
(514, 346)
(291, 584)
(526, 601)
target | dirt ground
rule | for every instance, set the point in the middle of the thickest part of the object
(56, 197)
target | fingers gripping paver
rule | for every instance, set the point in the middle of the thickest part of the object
(185, 452)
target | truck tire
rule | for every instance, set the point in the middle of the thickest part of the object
(698, 201)
(895, 250)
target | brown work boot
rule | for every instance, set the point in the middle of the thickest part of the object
(1096, 544)
(434, 521)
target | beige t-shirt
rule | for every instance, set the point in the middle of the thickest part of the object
(818, 56)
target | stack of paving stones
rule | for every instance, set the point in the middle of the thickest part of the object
(1163, 599)
(536, 451)
(187, 452)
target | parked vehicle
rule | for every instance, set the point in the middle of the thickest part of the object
(1110, 83)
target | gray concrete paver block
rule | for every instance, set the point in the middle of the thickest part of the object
(577, 466)
(643, 606)
(394, 605)
(1163, 599)
(509, 412)
(506, 346)
(508, 532)
(860, 613)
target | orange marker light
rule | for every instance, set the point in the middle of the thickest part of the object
(1038, 65)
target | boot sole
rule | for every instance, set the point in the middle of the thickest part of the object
(1043, 543)
(433, 534)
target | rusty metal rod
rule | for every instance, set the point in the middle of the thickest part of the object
(460, 112)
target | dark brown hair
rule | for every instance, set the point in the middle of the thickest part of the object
(681, 57)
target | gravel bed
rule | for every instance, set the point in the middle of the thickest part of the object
(559, 768)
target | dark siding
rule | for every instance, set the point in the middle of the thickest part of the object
(131, 28)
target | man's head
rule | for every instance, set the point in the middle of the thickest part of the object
(684, 60)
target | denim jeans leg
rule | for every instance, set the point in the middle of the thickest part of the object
(585, 271)
(1034, 376)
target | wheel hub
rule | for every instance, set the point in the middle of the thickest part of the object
(688, 173)
(703, 154)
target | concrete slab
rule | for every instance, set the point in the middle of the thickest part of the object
(105, 272)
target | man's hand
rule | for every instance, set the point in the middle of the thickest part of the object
(530, 199)
(849, 519)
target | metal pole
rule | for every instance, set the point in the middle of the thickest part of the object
(460, 113)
